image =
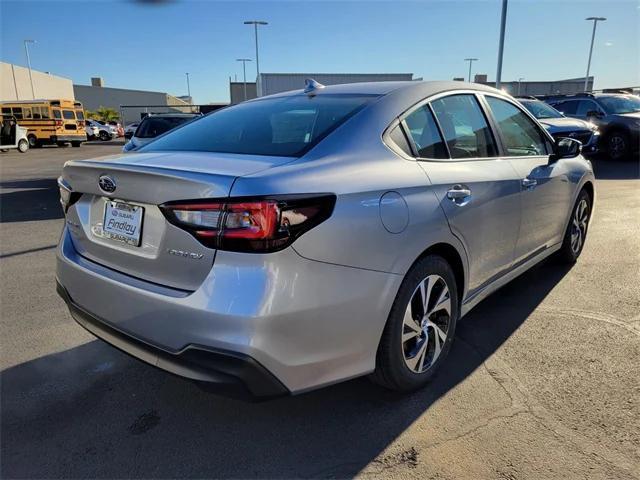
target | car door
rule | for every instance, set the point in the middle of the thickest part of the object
(477, 190)
(545, 190)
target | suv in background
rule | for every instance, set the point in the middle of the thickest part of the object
(616, 115)
(560, 126)
(105, 132)
(155, 125)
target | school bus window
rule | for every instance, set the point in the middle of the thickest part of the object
(6, 111)
(36, 113)
(68, 115)
(27, 113)
(17, 112)
(79, 114)
(44, 111)
(57, 114)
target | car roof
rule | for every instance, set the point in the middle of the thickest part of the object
(384, 88)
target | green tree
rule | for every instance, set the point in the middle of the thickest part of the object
(107, 114)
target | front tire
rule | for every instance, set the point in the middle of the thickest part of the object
(576, 233)
(420, 328)
(104, 136)
(23, 146)
(618, 144)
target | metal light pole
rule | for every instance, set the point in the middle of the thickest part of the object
(519, 82)
(188, 87)
(593, 36)
(255, 24)
(470, 60)
(244, 73)
(26, 50)
(503, 24)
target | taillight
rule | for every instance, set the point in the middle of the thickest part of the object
(58, 123)
(265, 224)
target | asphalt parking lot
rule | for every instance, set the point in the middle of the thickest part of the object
(542, 381)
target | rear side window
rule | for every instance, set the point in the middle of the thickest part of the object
(151, 127)
(44, 111)
(425, 135)
(400, 139)
(68, 115)
(79, 114)
(520, 135)
(283, 126)
(464, 127)
(57, 114)
(17, 112)
(586, 106)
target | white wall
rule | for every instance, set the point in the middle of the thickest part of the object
(15, 84)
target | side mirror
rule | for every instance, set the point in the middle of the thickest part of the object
(594, 113)
(565, 148)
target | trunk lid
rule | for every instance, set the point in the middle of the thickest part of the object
(164, 254)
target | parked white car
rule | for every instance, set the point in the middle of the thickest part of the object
(92, 131)
(130, 129)
(105, 132)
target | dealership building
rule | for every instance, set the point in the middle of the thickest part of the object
(15, 84)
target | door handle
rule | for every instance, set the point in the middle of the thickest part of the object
(459, 194)
(529, 183)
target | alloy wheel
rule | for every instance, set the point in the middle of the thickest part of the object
(579, 227)
(426, 324)
(617, 146)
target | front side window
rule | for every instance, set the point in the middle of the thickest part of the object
(520, 134)
(68, 115)
(282, 126)
(464, 127)
(425, 135)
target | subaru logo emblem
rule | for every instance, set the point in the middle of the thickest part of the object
(107, 184)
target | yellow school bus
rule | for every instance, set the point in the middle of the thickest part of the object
(56, 122)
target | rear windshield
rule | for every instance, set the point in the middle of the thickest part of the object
(68, 115)
(285, 126)
(151, 127)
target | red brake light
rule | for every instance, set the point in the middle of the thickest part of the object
(250, 225)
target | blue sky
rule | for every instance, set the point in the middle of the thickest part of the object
(149, 46)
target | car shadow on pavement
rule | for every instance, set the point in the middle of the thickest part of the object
(607, 169)
(29, 200)
(93, 412)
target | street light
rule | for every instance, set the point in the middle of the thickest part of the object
(188, 87)
(26, 50)
(519, 82)
(593, 36)
(470, 60)
(244, 73)
(503, 25)
(255, 24)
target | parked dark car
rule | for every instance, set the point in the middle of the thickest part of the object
(155, 125)
(560, 126)
(616, 115)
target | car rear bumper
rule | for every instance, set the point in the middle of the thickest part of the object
(305, 323)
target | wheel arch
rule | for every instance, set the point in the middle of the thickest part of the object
(454, 258)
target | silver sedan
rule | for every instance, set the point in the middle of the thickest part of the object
(301, 239)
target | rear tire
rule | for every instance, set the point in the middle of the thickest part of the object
(104, 136)
(414, 344)
(23, 146)
(62, 144)
(33, 141)
(76, 144)
(576, 234)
